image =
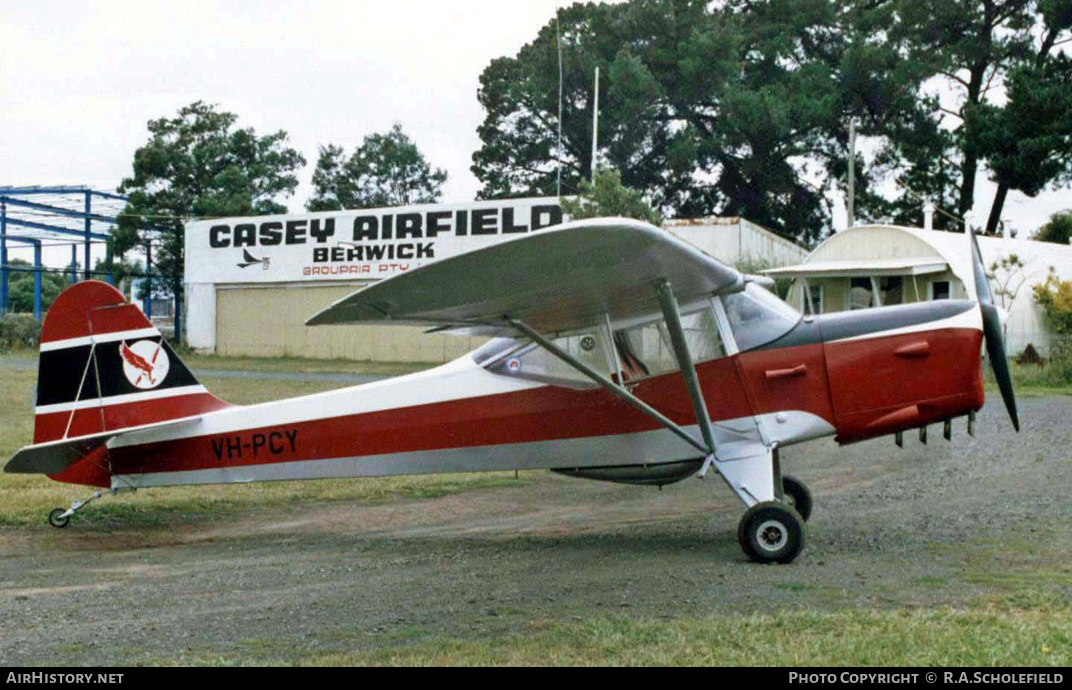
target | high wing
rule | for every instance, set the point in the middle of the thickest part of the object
(558, 279)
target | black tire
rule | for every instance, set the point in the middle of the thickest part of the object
(771, 532)
(797, 495)
(55, 520)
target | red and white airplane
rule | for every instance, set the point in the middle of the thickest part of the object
(621, 353)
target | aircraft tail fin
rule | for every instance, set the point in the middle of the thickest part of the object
(104, 367)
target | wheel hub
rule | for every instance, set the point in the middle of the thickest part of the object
(772, 535)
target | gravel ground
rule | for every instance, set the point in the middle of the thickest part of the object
(943, 524)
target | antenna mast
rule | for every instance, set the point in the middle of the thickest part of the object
(595, 126)
(558, 40)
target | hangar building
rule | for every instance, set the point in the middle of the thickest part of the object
(252, 282)
(876, 265)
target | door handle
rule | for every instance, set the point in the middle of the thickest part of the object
(799, 370)
(920, 348)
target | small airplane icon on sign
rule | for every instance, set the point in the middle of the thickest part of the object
(250, 260)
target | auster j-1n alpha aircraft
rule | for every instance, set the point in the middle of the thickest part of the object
(618, 353)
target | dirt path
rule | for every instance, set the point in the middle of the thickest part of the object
(938, 524)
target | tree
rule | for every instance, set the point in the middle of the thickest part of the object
(608, 197)
(199, 165)
(984, 50)
(1006, 276)
(1028, 141)
(1058, 230)
(736, 108)
(386, 170)
(520, 155)
(21, 287)
(1055, 298)
(123, 271)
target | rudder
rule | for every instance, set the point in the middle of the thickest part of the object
(104, 366)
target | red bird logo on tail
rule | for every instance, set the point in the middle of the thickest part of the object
(146, 365)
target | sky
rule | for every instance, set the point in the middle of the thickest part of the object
(81, 80)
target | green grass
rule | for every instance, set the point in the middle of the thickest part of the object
(27, 499)
(1031, 380)
(992, 634)
(273, 364)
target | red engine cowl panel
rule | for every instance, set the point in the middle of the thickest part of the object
(883, 385)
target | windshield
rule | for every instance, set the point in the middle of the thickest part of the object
(758, 317)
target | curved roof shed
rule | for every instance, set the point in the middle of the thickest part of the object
(880, 265)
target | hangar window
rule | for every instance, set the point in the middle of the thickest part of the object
(861, 293)
(892, 289)
(940, 289)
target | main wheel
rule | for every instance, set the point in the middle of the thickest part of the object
(797, 495)
(56, 518)
(771, 532)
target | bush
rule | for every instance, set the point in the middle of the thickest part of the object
(608, 197)
(1060, 364)
(1055, 298)
(19, 332)
(1052, 372)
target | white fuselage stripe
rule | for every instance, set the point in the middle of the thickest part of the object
(645, 447)
(100, 338)
(457, 380)
(120, 399)
(970, 319)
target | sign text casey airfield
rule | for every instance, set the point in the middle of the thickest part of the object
(363, 244)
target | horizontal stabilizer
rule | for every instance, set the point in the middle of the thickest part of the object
(56, 456)
(560, 278)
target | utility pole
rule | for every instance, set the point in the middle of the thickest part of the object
(852, 173)
(558, 150)
(595, 126)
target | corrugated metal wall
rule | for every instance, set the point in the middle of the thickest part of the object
(268, 322)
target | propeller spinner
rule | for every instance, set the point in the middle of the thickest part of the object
(995, 342)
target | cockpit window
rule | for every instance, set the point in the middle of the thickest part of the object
(534, 362)
(758, 317)
(647, 350)
(642, 351)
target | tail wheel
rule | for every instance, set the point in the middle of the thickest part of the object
(57, 518)
(797, 496)
(771, 532)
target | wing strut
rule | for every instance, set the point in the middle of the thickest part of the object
(750, 468)
(684, 360)
(608, 384)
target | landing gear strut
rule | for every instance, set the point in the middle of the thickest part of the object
(59, 517)
(796, 495)
(772, 529)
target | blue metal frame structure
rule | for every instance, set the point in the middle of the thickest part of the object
(13, 197)
(37, 268)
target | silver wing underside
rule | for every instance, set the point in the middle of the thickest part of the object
(558, 279)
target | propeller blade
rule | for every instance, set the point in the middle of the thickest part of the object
(995, 342)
